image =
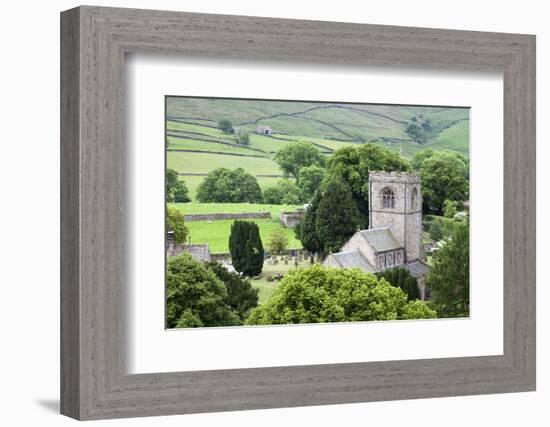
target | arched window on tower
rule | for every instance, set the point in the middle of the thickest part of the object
(388, 198)
(414, 198)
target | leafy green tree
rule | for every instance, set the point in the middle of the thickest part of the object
(417, 310)
(324, 294)
(229, 186)
(277, 242)
(449, 208)
(242, 138)
(444, 176)
(242, 297)
(403, 279)
(175, 222)
(285, 192)
(306, 230)
(353, 164)
(449, 277)
(294, 157)
(436, 230)
(310, 179)
(419, 157)
(337, 216)
(226, 127)
(195, 296)
(246, 248)
(176, 190)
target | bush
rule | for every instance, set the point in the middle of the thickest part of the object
(175, 222)
(323, 294)
(226, 127)
(229, 186)
(277, 242)
(403, 279)
(195, 296)
(285, 192)
(241, 296)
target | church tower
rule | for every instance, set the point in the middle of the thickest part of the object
(395, 201)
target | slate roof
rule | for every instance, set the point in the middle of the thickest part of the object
(381, 239)
(417, 268)
(353, 259)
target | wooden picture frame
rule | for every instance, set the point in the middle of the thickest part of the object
(94, 382)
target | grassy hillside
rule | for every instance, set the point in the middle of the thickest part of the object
(195, 145)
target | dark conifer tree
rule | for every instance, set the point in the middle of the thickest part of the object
(337, 216)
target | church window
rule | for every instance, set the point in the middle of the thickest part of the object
(388, 198)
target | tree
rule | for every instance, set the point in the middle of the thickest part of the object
(294, 157)
(337, 216)
(285, 192)
(436, 230)
(242, 297)
(449, 278)
(277, 242)
(449, 208)
(229, 186)
(226, 127)
(324, 294)
(310, 179)
(175, 222)
(444, 176)
(176, 190)
(403, 279)
(353, 164)
(242, 138)
(420, 156)
(306, 230)
(245, 246)
(195, 296)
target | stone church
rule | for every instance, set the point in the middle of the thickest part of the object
(394, 237)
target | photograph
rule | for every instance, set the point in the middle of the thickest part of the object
(294, 212)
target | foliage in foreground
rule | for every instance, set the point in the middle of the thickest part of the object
(242, 297)
(323, 294)
(449, 278)
(195, 296)
(246, 248)
(175, 222)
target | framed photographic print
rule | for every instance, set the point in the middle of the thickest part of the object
(261, 213)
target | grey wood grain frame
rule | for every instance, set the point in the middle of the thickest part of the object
(94, 380)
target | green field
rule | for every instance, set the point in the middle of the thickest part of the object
(205, 162)
(329, 124)
(216, 233)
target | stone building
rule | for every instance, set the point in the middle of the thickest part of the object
(264, 130)
(291, 219)
(394, 238)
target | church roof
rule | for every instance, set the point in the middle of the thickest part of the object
(417, 268)
(381, 239)
(353, 259)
